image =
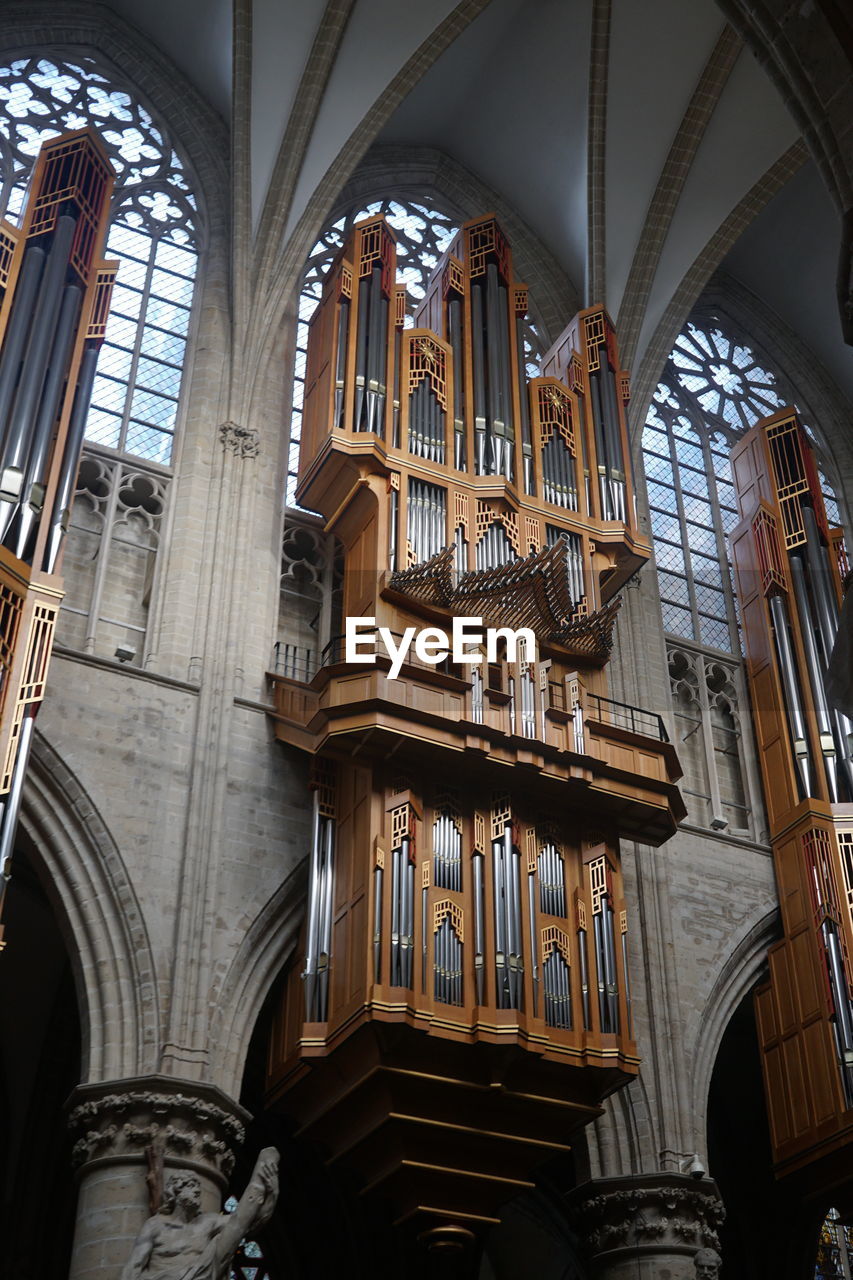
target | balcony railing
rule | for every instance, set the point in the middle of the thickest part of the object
(623, 716)
(302, 664)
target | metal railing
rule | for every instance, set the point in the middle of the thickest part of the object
(623, 716)
(294, 662)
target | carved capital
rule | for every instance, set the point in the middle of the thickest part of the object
(243, 442)
(659, 1213)
(186, 1123)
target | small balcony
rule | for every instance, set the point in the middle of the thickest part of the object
(536, 717)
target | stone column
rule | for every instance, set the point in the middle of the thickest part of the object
(129, 1135)
(646, 1227)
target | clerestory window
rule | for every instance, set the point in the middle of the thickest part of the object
(715, 386)
(154, 232)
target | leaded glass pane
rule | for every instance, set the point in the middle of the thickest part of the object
(675, 589)
(678, 622)
(665, 526)
(669, 556)
(154, 231)
(658, 468)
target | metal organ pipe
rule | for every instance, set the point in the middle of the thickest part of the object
(815, 672)
(826, 607)
(341, 360)
(531, 915)
(584, 959)
(18, 326)
(454, 324)
(17, 437)
(611, 988)
(483, 458)
(524, 403)
(320, 891)
(360, 408)
(791, 691)
(61, 510)
(32, 490)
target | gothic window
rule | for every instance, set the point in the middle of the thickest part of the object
(835, 1249)
(713, 389)
(249, 1263)
(154, 233)
(423, 234)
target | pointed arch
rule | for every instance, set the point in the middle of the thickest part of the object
(239, 992)
(100, 918)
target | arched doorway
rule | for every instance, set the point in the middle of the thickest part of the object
(768, 1234)
(39, 1066)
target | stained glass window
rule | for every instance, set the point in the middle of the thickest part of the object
(423, 234)
(249, 1263)
(835, 1250)
(154, 233)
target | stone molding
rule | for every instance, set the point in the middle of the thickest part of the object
(192, 1125)
(244, 442)
(660, 1213)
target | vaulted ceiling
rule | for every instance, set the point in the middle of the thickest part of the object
(642, 143)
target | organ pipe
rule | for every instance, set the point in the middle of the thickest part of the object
(789, 570)
(55, 301)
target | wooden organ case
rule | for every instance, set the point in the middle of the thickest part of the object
(790, 568)
(54, 301)
(463, 1002)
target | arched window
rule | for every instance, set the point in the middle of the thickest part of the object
(424, 232)
(714, 387)
(835, 1249)
(154, 232)
(249, 1263)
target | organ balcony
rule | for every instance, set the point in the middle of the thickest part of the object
(573, 745)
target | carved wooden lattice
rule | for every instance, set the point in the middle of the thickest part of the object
(770, 563)
(555, 938)
(595, 334)
(501, 816)
(486, 239)
(376, 245)
(457, 917)
(598, 883)
(323, 781)
(488, 513)
(556, 414)
(427, 359)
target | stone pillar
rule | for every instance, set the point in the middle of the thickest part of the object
(129, 1135)
(646, 1227)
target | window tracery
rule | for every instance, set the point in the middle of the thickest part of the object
(714, 388)
(155, 234)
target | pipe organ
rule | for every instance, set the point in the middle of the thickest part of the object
(790, 568)
(54, 300)
(462, 1002)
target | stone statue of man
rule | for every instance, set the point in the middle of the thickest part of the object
(182, 1243)
(707, 1263)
